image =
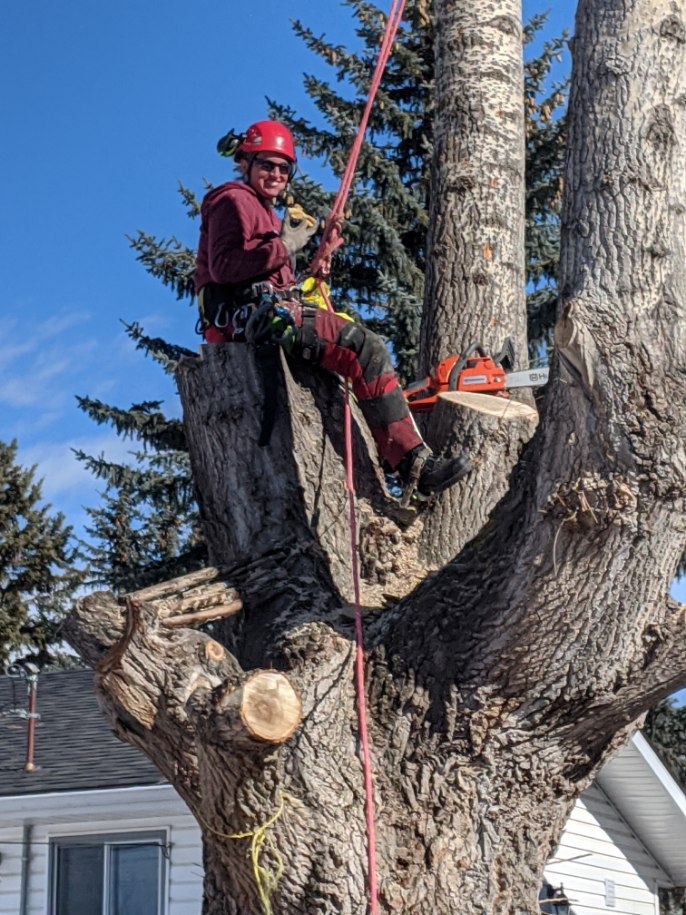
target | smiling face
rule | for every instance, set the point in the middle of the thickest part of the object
(267, 175)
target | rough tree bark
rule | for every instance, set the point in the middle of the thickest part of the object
(499, 684)
(475, 278)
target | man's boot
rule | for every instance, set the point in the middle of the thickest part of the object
(440, 473)
(428, 474)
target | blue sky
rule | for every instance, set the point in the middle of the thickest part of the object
(106, 108)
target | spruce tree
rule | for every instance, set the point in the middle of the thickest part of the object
(545, 100)
(146, 528)
(380, 271)
(39, 566)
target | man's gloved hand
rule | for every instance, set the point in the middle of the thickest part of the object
(258, 328)
(297, 229)
(270, 323)
(283, 329)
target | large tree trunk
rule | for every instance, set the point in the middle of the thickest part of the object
(497, 686)
(474, 290)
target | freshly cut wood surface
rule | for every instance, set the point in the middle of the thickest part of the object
(502, 407)
(270, 707)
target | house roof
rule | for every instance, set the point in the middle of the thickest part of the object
(651, 802)
(75, 749)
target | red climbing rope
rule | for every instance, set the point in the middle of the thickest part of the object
(359, 663)
(331, 236)
(320, 268)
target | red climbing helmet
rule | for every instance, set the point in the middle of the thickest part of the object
(269, 137)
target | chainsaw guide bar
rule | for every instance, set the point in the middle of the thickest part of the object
(500, 407)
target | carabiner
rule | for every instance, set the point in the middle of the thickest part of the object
(217, 323)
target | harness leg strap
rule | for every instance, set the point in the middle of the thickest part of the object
(267, 356)
(308, 344)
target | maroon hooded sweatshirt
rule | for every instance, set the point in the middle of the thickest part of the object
(240, 240)
(240, 244)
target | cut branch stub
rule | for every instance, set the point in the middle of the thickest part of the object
(172, 587)
(192, 599)
(215, 611)
(266, 707)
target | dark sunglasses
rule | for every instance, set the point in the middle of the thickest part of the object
(266, 166)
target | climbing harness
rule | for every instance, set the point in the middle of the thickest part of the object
(228, 308)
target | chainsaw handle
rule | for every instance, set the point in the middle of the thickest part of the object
(475, 348)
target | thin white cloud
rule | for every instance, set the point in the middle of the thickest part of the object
(62, 474)
(14, 351)
(46, 375)
(17, 344)
(31, 424)
(41, 374)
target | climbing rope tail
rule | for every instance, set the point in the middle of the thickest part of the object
(265, 881)
(359, 663)
(331, 240)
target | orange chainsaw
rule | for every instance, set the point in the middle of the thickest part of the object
(473, 372)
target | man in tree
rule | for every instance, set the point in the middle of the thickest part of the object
(246, 289)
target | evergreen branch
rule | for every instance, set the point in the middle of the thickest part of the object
(151, 485)
(143, 422)
(190, 200)
(166, 354)
(168, 261)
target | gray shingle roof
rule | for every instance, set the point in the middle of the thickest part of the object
(75, 749)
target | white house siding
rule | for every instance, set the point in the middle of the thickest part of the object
(156, 808)
(10, 871)
(611, 852)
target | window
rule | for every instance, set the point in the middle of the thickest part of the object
(553, 900)
(108, 875)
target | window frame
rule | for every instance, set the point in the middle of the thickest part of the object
(108, 839)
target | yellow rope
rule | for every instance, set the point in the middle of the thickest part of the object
(265, 882)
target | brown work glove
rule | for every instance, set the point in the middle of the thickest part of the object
(297, 229)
